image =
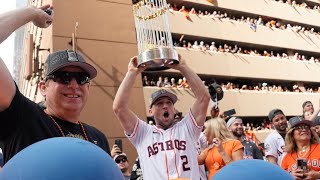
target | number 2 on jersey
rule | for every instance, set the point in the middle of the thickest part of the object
(185, 167)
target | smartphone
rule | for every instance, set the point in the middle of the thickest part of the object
(118, 142)
(229, 112)
(302, 164)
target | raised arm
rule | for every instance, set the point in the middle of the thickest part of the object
(9, 22)
(127, 118)
(315, 113)
(200, 106)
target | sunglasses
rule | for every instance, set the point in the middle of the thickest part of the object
(64, 77)
(121, 160)
(300, 128)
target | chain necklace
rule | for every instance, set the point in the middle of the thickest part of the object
(303, 152)
(61, 131)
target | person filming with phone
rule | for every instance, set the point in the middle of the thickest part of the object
(302, 150)
(121, 159)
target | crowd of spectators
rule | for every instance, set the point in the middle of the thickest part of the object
(257, 126)
(269, 87)
(253, 22)
(302, 4)
(226, 48)
(167, 82)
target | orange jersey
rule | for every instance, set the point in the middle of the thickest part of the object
(313, 156)
(214, 160)
(250, 136)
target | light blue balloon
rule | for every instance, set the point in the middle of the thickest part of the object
(61, 158)
(252, 169)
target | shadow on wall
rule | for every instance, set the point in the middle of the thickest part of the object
(112, 75)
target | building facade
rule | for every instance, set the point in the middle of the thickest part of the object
(18, 45)
(105, 35)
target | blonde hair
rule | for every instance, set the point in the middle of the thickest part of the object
(291, 145)
(217, 128)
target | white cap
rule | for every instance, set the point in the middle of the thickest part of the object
(232, 120)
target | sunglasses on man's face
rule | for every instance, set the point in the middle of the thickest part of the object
(64, 77)
(124, 159)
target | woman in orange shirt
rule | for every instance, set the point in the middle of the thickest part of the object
(223, 148)
(301, 145)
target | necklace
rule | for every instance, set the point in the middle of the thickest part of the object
(304, 151)
(60, 129)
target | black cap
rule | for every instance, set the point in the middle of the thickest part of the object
(274, 112)
(60, 59)
(295, 121)
(162, 93)
(215, 91)
(305, 103)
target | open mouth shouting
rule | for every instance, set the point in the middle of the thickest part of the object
(166, 114)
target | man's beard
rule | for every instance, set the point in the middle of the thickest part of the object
(236, 134)
(279, 129)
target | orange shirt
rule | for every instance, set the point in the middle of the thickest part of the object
(251, 136)
(214, 160)
(313, 156)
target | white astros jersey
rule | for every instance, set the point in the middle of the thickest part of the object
(274, 146)
(168, 154)
(201, 145)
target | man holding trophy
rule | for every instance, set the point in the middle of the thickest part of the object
(167, 150)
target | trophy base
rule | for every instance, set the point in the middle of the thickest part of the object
(156, 57)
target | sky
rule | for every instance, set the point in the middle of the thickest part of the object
(7, 47)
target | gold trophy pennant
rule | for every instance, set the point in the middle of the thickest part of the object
(154, 38)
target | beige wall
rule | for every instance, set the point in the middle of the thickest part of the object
(98, 20)
(246, 103)
(43, 39)
(106, 37)
(206, 27)
(248, 66)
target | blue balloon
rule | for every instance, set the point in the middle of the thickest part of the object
(61, 158)
(252, 169)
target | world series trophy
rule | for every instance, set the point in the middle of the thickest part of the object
(153, 34)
